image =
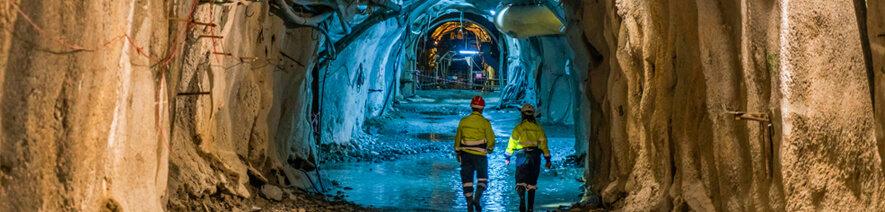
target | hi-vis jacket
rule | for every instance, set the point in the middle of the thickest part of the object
(527, 134)
(475, 135)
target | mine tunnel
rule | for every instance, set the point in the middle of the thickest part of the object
(384, 105)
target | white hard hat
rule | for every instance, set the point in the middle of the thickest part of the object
(528, 109)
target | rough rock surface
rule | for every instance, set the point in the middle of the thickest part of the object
(104, 127)
(876, 35)
(272, 192)
(78, 128)
(668, 74)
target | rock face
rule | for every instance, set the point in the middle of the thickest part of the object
(154, 120)
(876, 35)
(255, 115)
(670, 73)
(79, 127)
(272, 192)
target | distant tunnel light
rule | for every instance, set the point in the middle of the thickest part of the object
(492, 12)
(468, 52)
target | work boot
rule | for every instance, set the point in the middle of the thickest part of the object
(477, 197)
(531, 200)
(469, 204)
(521, 199)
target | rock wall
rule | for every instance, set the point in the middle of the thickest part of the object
(876, 34)
(670, 73)
(556, 82)
(166, 117)
(253, 126)
(360, 81)
(79, 123)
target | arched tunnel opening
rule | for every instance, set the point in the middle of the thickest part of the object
(370, 105)
(457, 53)
(435, 64)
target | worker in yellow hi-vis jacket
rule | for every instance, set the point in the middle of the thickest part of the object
(527, 142)
(473, 140)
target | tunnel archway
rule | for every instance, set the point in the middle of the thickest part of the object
(370, 106)
(455, 41)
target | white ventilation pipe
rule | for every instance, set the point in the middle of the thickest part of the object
(522, 21)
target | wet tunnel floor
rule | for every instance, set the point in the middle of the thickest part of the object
(431, 182)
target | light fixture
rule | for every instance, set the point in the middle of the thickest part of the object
(468, 52)
(492, 12)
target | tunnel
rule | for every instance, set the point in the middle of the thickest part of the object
(373, 105)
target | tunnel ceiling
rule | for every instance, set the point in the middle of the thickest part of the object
(452, 26)
(352, 20)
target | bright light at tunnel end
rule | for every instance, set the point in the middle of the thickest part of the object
(492, 12)
(468, 52)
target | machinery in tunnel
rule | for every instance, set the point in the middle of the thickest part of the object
(459, 55)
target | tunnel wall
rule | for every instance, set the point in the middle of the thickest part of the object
(106, 129)
(540, 73)
(876, 35)
(662, 136)
(254, 126)
(79, 128)
(556, 87)
(523, 64)
(360, 81)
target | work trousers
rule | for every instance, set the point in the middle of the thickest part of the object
(528, 167)
(474, 163)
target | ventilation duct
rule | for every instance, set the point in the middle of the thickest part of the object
(522, 21)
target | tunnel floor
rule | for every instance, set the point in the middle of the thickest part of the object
(429, 180)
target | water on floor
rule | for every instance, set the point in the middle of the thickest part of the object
(431, 182)
(435, 136)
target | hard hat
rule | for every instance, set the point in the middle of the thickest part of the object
(528, 109)
(478, 102)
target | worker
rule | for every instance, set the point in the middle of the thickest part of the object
(527, 142)
(473, 140)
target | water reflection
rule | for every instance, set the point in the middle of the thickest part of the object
(434, 136)
(430, 182)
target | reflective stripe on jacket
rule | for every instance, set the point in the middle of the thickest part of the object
(527, 134)
(475, 135)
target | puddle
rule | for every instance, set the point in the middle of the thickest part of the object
(437, 113)
(429, 182)
(434, 136)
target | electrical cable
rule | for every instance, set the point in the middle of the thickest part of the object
(312, 184)
(290, 13)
